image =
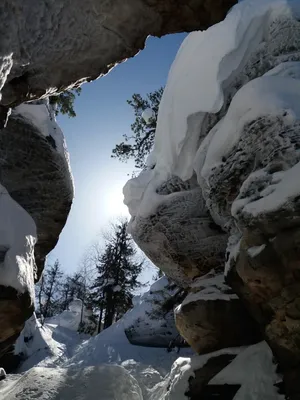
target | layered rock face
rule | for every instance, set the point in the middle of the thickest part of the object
(181, 238)
(51, 47)
(34, 169)
(244, 207)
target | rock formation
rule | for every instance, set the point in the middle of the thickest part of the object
(243, 146)
(154, 324)
(43, 50)
(34, 169)
(50, 47)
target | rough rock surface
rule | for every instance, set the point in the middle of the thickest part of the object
(15, 309)
(206, 313)
(227, 374)
(53, 46)
(181, 238)
(268, 281)
(155, 324)
(251, 194)
(38, 178)
(247, 166)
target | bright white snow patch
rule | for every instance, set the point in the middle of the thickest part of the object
(17, 240)
(2, 374)
(148, 115)
(177, 382)
(255, 371)
(280, 194)
(209, 288)
(255, 250)
(36, 343)
(105, 382)
(112, 345)
(71, 318)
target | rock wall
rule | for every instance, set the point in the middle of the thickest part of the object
(244, 206)
(50, 47)
(34, 169)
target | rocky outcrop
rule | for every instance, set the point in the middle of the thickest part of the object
(154, 324)
(15, 309)
(180, 237)
(226, 374)
(244, 150)
(205, 314)
(35, 172)
(50, 48)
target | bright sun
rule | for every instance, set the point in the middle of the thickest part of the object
(113, 201)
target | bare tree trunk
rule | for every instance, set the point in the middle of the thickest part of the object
(110, 309)
(40, 299)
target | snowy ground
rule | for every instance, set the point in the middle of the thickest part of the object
(72, 368)
(61, 364)
(64, 365)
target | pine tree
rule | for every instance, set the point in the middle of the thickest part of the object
(49, 290)
(63, 103)
(139, 145)
(72, 288)
(117, 276)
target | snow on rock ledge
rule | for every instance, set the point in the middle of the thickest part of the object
(206, 313)
(250, 373)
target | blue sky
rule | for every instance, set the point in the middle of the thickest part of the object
(102, 117)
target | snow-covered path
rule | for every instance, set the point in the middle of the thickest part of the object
(61, 364)
(106, 382)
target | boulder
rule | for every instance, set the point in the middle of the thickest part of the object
(36, 173)
(206, 313)
(180, 237)
(227, 374)
(266, 275)
(52, 47)
(152, 321)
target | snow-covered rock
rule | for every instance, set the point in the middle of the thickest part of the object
(230, 115)
(179, 236)
(2, 374)
(153, 324)
(206, 313)
(36, 172)
(36, 196)
(95, 36)
(250, 374)
(17, 272)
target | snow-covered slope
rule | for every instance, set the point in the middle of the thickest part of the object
(102, 382)
(63, 365)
